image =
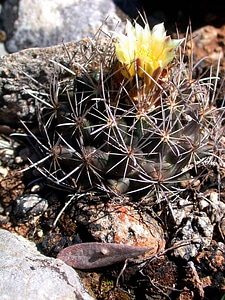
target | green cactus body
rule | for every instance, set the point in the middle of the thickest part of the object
(115, 138)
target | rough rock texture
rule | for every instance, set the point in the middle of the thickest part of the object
(26, 274)
(28, 23)
(32, 69)
(41, 23)
(113, 223)
(209, 42)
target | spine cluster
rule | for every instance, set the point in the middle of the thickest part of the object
(140, 137)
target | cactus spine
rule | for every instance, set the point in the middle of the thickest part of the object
(137, 134)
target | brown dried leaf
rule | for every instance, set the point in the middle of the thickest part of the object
(95, 255)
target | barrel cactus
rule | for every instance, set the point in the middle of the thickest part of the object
(131, 122)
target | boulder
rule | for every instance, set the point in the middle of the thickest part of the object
(26, 274)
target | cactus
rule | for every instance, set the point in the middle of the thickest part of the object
(118, 129)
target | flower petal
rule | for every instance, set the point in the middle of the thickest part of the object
(144, 50)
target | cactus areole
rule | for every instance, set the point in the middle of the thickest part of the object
(127, 121)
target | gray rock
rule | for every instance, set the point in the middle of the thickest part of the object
(32, 69)
(25, 274)
(2, 49)
(30, 205)
(197, 230)
(42, 23)
(121, 224)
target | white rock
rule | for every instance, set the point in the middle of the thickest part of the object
(42, 23)
(26, 274)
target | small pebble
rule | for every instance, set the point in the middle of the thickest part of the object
(18, 160)
(3, 172)
(30, 205)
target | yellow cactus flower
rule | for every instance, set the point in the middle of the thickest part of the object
(144, 51)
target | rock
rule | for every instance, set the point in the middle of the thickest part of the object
(197, 231)
(25, 274)
(32, 70)
(42, 23)
(121, 224)
(29, 205)
(209, 43)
